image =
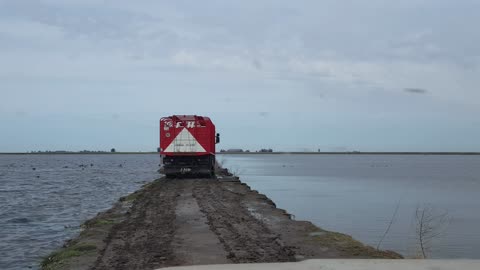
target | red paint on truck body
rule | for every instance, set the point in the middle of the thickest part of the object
(187, 135)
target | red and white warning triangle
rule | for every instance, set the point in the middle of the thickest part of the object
(185, 142)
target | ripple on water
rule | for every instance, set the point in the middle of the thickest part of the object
(19, 220)
(38, 214)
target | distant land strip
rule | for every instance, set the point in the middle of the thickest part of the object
(354, 153)
(250, 153)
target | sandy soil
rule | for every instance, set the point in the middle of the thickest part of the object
(174, 222)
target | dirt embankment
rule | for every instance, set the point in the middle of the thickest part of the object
(199, 221)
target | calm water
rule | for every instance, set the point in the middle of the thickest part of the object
(358, 194)
(40, 209)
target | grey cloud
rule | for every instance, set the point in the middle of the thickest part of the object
(356, 44)
(415, 90)
(257, 64)
(99, 22)
(277, 27)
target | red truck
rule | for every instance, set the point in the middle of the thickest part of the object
(187, 145)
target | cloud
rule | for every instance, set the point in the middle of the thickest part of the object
(285, 44)
(257, 64)
(415, 90)
(95, 21)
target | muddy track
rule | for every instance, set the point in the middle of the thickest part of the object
(143, 240)
(245, 238)
(202, 221)
(151, 234)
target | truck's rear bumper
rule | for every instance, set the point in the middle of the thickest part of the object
(189, 165)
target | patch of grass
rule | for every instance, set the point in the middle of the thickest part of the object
(97, 222)
(100, 222)
(349, 246)
(87, 233)
(147, 185)
(59, 258)
(130, 197)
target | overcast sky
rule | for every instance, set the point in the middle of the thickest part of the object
(289, 75)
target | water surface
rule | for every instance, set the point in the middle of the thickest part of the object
(44, 198)
(358, 194)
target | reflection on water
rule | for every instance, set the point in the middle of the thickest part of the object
(358, 194)
(44, 198)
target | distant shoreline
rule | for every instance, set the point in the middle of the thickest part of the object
(256, 153)
(355, 153)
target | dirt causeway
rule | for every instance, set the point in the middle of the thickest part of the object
(173, 222)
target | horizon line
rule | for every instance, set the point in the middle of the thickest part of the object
(263, 153)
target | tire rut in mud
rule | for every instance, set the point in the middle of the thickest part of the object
(143, 240)
(245, 239)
